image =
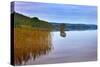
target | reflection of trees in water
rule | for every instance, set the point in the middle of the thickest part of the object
(30, 43)
(62, 30)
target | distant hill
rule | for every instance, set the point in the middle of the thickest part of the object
(20, 19)
(72, 27)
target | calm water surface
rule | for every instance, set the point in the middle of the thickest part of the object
(76, 46)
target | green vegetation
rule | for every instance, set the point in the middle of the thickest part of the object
(21, 20)
(40, 23)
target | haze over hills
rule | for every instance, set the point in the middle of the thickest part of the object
(20, 19)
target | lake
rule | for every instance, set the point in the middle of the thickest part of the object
(77, 46)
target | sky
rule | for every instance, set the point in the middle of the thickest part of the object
(58, 13)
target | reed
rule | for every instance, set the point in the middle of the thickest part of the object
(30, 42)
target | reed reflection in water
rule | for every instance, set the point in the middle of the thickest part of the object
(29, 42)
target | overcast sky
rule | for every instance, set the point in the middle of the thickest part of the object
(59, 13)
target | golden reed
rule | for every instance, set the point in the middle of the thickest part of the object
(30, 42)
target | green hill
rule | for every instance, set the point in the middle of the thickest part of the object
(20, 20)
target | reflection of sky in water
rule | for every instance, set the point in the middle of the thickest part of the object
(74, 39)
(58, 12)
(76, 46)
